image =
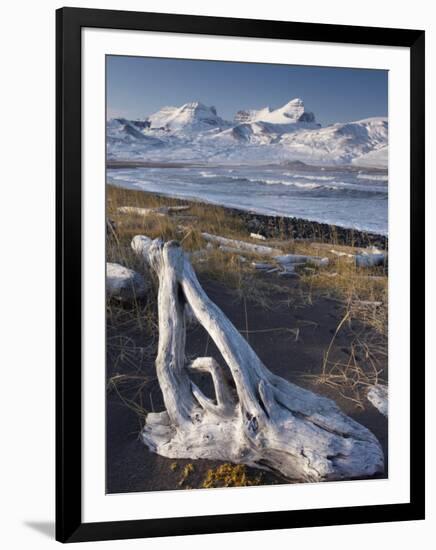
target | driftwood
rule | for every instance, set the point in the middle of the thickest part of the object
(262, 266)
(123, 283)
(229, 249)
(342, 254)
(370, 260)
(159, 211)
(256, 417)
(242, 246)
(378, 396)
(366, 303)
(363, 257)
(258, 236)
(298, 259)
(235, 246)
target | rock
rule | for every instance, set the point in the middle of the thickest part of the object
(297, 228)
(123, 283)
(378, 396)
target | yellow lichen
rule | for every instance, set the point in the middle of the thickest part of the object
(230, 475)
(187, 471)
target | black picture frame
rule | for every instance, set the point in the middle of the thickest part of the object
(69, 525)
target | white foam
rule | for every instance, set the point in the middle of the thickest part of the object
(310, 177)
(373, 177)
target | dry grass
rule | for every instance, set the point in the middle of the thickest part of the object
(365, 319)
(364, 365)
(186, 226)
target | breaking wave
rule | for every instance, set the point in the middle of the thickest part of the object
(372, 177)
(306, 177)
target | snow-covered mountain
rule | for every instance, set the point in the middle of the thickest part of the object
(291, 113)
(191, 117)
(195, 132)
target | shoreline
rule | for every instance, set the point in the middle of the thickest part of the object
(113, 164)
(271, 226)
(300, 229)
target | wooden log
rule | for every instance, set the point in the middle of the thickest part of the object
(159, 211)
(370, 260)
(298, 259)
(366, 303)
(256, 418)
(258, 236)
(228, 249)
(242, 246)
(137, 211)
(235, 246)
(341, 254)
(262, 266)
(123, 283)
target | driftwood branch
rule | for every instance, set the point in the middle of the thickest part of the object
(159, 211)
(242, 246)
(235, 246)
(370, 260)
(256, 418)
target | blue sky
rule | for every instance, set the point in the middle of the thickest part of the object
(139, 86)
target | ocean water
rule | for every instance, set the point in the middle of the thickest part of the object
(349, 197)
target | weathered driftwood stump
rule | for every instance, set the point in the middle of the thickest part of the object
(256, 417)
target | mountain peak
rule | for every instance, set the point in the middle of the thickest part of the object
(193, 115)
(296, 101)
(251, 115)
(194, 106)
(290, 113)
(295, 111)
